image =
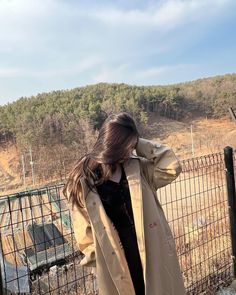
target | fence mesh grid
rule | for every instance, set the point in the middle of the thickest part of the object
(38, 253)
(196, 207)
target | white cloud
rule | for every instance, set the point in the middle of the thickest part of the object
(77, 68)
(162, 72)
(146, 76)
(56, 44)
(165, 14)
(9, 72)
(151, 72)
(22, 23)
(112, 74)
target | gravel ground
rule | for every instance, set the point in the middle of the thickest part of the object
(226, 291)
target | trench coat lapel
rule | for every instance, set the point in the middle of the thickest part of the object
(132, 171)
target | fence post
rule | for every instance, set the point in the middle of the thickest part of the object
(2, 292)
(1, 283)
(230, 180)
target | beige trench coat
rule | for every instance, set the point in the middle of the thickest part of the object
(155, 166)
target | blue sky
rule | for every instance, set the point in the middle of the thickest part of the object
(50, 45)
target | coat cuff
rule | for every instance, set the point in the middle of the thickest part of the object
(145, 148)
(89, 259)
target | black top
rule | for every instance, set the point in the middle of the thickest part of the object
(116, 200)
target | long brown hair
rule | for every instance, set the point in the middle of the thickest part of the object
(116, 140)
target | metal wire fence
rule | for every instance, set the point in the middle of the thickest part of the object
(196, 207)
(38, 253)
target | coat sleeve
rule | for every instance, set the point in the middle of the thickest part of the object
(158, 163)
(83, 235)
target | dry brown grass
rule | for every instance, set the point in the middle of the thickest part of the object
(209, 136)
(197, 210)
(69, 279)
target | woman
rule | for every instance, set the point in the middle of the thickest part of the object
(118, 221)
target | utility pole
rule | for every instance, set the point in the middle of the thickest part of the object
(193, 154)
(32, 165)
(23, 168)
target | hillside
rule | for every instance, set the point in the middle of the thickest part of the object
(60, 126)
(209, 136)
(38, 118)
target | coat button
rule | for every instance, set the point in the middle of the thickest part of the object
(113, 253)
(94, 203)
(121, 277)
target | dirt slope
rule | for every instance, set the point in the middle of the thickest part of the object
(9, 167)
(208, 136)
